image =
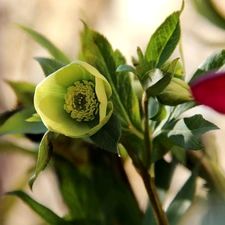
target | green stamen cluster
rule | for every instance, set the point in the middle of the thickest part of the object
(81, 101)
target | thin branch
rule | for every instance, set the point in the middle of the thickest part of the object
(149, 185)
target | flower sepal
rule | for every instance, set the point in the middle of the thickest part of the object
(74, 100)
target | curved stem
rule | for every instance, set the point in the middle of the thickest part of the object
(149, 185)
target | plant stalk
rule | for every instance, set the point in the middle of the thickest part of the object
(147, 159)
(142, 166)
(159, 213)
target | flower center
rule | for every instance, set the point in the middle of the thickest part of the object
(81, 101)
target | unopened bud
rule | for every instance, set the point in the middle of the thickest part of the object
(177, 92)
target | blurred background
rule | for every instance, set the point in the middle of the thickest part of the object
(126, 24)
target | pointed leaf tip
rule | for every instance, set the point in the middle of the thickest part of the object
(187, 131)
(45, 43)
(44, 155)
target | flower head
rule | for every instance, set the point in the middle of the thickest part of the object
(209, 90)
(74, 100)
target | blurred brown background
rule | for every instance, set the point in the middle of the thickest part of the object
(127, 24)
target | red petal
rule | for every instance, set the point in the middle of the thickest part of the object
(209, 90)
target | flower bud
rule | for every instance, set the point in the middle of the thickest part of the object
(209, 90)
(177, 92)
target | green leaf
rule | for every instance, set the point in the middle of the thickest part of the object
(149, 217)
(7, 146)
(172, 67)
(44, 42)
(126, 100)
(97, 51)
(213, 62)
(156, 80)
(163, 41)
(187, 131)
(159, 81)
(181, 108)
(142, 61)
(182, 200)
(24, 92)
(44, 212)
(108, 136)
(113, 189)
(49, 65)
(126, 68)
(161, 145)
(150, 79)
(163, 175)
(208, 10)
(34, 118)
(78, 193)
(17, 123)
(7, 114)
(157, 111)
(44, 155)
(179, 153)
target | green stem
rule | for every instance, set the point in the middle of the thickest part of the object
(143, 165)
(147, 138)
(149, 185)
(182, 54)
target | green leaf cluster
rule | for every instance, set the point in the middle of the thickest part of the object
(97, 51)
(156, 75)
(92, 182)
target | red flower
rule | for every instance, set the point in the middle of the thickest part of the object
(209, 90)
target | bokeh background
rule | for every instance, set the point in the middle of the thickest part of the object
(127, 24)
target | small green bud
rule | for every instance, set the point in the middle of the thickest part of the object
(177, 92)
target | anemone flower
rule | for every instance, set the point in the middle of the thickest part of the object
(74, 100)
(209, 90)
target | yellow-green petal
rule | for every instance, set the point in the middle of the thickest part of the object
(104, 120)
(49, 100)
(102, 98)
(56, 118)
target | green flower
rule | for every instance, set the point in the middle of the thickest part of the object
(74, 100)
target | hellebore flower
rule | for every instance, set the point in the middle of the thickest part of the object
(209, 90)
(73, 101)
